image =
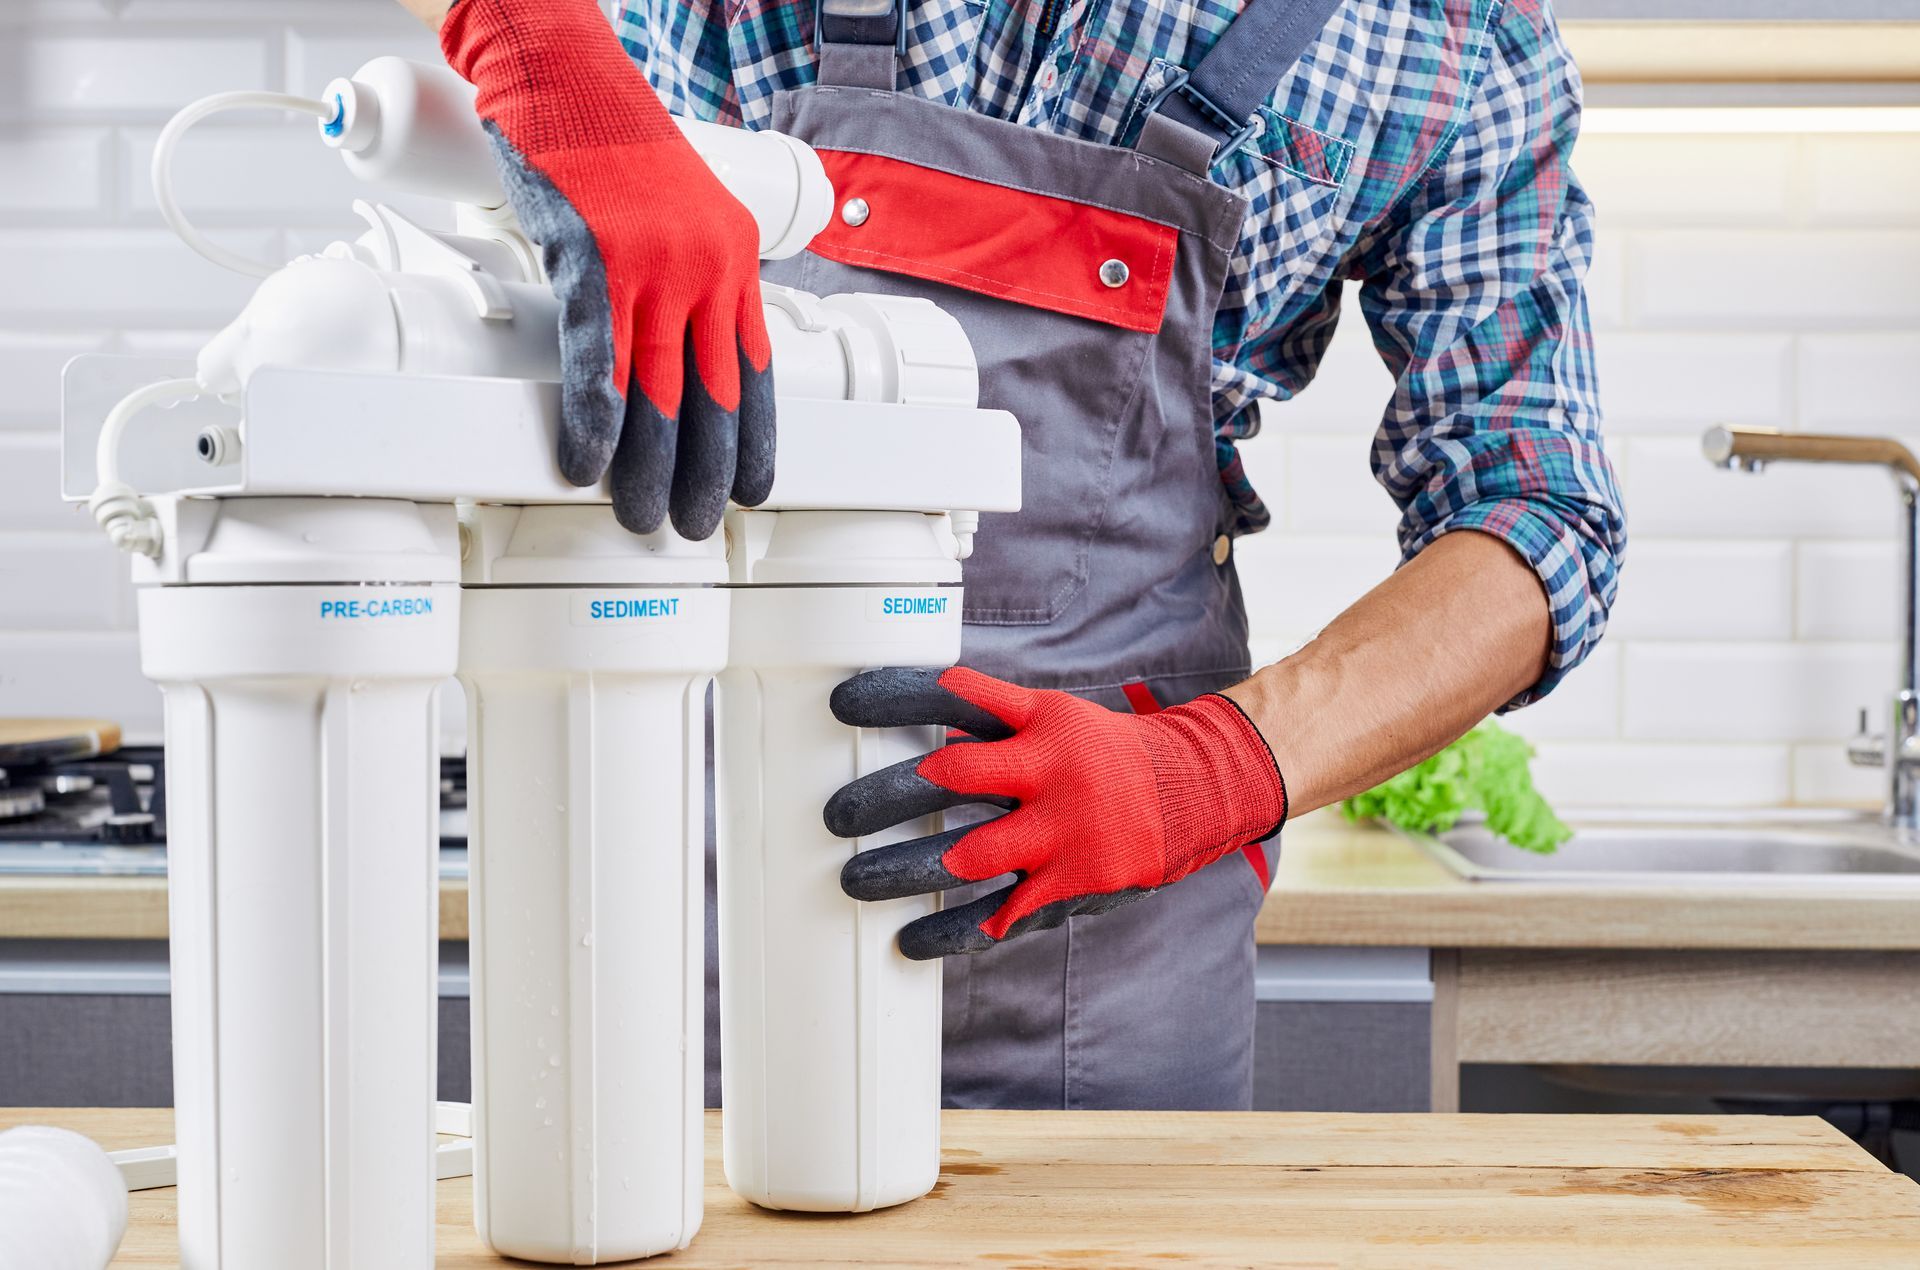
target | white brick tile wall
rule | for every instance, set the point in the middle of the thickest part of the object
(1847, 590)
(70, 581)
(1672, 493)
(1648, 775)
(1683, 180)
(30, 483)
(1707, 691)
(1584, 708)
(1607, 280)
(1708, 279)
(316, 55)
(1822, 774)
(1297, 583)
(1858, 381)
(1328, 486)
(1769, 280)
(93, 674)
(1854, 180)
(1680, 383)
(152, 72)
(44, 170)
(135, 275)
(30, 365)
(1692, 589)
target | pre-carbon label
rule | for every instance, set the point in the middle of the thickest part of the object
(374, 608)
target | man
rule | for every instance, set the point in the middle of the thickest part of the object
(1142, 212)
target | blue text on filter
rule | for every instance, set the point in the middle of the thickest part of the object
(913, 605)
(628, 610)
(365, 610)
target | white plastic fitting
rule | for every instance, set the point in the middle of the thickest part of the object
(62, 1203)
(411, 126)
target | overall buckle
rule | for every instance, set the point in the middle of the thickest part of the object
(1238, 134)
(861, 22)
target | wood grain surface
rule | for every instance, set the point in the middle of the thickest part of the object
(1337, 884)
(1078, 1189)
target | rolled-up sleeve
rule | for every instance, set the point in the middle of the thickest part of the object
(1473, 287)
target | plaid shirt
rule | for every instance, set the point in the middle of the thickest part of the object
(1420, 148)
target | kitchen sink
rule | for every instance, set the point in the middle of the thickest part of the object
(1624, 849)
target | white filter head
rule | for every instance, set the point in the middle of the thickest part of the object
(63, 1205)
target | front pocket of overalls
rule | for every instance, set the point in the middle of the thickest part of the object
(1062, 302)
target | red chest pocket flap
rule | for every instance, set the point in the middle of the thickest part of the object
(1032, 249)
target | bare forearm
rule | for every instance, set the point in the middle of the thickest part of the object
(431, 12)
(1453, 635)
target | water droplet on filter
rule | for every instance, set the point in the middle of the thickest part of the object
(553, 1060)
(553, 1011)
(540, 1042)
(586, 940)
(626, 1183)
(539, 1104)
(548, 1122)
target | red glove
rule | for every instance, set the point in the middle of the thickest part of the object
(665, 351)
(1106, 807)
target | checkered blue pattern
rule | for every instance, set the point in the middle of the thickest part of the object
(1418, 149)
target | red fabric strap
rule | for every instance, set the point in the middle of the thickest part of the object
(1032, 249)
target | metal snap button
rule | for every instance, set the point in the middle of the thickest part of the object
(855, 212)
(1222, 548)
(1115, 273)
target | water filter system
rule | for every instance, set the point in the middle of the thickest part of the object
(352, 495)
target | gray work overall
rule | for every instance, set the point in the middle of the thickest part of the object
(1086, 276)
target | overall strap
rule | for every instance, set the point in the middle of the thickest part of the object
(860, 41)
(1203, 114)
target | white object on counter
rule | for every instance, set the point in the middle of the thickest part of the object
(62, 1203)
(585, 652)
(830, 1037)
(299, 643)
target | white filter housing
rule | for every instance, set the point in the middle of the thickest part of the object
(830, 1037)
(302, 784)
(586, 652)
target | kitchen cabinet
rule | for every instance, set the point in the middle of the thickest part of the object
(1561, 974)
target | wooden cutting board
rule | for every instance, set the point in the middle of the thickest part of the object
(56, 740)
(1089, 1189)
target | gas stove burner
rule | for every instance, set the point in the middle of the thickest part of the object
(136, 827)
(17, 804)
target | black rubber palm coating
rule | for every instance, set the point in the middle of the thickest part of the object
(903, 698)
(709, 450)
(892, 796)
(642, 475)
(591, 412)
(753, 472)
(902, 869)
(956, 931)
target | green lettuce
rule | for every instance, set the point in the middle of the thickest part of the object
(1485, 770)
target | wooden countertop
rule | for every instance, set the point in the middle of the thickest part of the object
(1052, 1189)
(1361, 885)
(1337, 884)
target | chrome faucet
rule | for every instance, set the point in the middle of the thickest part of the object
(1897, 749)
